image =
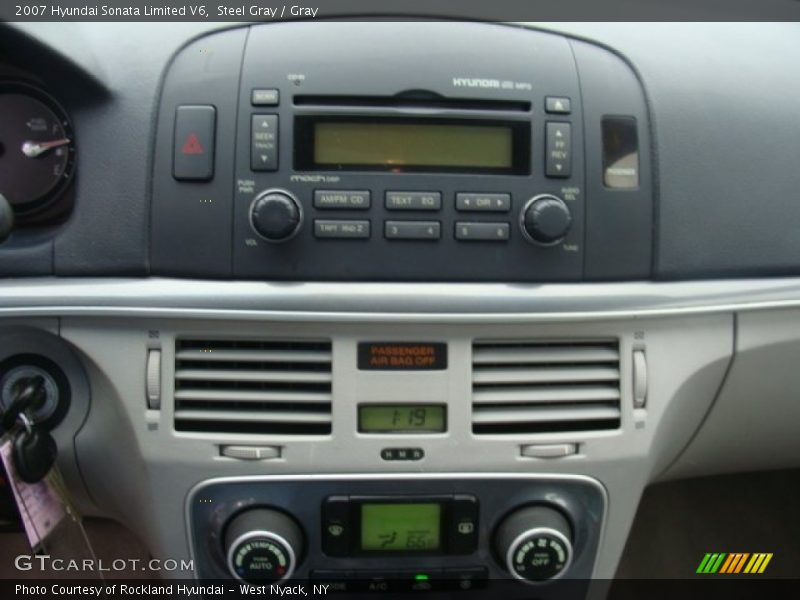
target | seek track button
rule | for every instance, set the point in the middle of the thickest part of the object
(264, 143)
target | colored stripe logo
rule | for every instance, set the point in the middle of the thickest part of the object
(734, 563)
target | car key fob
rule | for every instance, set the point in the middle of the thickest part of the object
(34, 453)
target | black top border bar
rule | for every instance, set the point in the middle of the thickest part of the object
(479, 10)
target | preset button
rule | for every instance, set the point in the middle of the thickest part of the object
(413, 230)
(343, 229)
(482, 232)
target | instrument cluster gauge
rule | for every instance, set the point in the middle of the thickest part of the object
(37, 149)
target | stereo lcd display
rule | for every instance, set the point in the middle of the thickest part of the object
(457, 145)
(401, 527)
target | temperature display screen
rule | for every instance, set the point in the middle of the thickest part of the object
(401, 418)
(401, 527)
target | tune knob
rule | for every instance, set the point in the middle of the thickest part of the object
(262, 545)
(545, 220)
(276, 216)
(534, 543)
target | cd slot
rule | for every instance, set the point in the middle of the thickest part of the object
(403, 101)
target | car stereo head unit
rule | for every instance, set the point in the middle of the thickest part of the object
(402, 151)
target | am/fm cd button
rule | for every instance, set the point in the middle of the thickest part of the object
(342, 199)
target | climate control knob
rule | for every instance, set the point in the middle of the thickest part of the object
(262, 545)
(545, 220)
(534, 543)
(276, 216)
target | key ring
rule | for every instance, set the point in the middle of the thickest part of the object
(26, 422)
(21, 402)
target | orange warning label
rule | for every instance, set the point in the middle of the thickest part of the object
(402, 356)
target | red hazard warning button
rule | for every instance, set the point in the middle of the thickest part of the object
(192, 145)
(193, 149)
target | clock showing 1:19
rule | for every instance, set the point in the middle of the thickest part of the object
(401, 418)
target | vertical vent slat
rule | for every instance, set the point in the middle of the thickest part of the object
(246, 386)
(523, 387)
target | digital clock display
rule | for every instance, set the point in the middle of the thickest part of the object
(401, 418)
(401, 527)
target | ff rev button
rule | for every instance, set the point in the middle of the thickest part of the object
(193, 146)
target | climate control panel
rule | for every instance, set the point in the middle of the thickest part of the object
(399, 533)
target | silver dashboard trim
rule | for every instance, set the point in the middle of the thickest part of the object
(341, 302)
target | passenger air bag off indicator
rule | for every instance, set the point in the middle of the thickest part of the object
(402, 356)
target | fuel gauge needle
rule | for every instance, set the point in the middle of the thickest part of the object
(34, 149)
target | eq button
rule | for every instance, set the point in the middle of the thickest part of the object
(413, 230)
(413, 200)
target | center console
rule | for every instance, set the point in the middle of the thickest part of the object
(401, 151)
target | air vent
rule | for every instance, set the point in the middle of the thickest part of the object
(262, 387)
(544, 387)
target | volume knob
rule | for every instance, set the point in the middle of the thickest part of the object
(535, 543)
(276, 216)
(545, 220)
(262, 545)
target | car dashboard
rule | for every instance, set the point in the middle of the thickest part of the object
(404, 305)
